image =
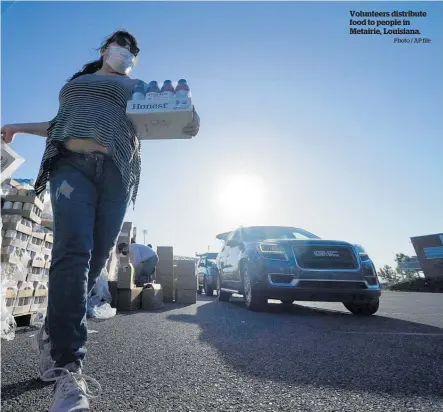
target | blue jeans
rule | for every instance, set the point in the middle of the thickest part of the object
(89, 204)
(147, 271)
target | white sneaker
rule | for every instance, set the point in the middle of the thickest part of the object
(43, 346)
(71, 391)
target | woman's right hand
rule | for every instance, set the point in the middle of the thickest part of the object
(8, 132)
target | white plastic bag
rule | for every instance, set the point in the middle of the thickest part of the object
(101, 287)
(104, 311)
(7, 321)
(38, 319)
(100, 298)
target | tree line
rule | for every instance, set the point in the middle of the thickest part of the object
(395, 275)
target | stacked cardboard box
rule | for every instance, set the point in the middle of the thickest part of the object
(186, 282)
(129, 297)
(114, 265)
(152, 297)
(24, 298)
(40, 300)
(23, 202)
(26, 248)
(165, 272)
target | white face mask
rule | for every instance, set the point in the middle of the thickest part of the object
(120, 59)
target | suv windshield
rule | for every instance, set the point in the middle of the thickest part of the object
(253, 234)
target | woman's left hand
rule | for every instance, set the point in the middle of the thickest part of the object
(191, 129)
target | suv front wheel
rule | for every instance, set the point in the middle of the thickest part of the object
(363, 309)
(222, 296)
(254, 300)
(208, 289)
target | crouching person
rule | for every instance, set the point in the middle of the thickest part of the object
(143, 258)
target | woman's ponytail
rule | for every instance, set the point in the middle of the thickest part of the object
(89, 68)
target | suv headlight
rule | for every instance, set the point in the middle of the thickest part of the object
(368, 267)
(272, 251)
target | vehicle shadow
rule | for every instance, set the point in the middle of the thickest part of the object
(324, 348)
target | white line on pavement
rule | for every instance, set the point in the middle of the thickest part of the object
(394, 333)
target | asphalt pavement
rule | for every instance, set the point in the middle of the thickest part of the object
(221, 357)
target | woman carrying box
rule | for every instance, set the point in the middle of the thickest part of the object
(92, 162)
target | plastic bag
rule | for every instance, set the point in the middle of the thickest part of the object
(7, 321)
(104, 311)
(98, 306)
(101, 287)
(38, 319)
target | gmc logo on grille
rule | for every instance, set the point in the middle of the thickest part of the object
(326, 253)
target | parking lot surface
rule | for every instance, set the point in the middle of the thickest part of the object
(221, 357)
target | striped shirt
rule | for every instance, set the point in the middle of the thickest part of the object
(94, 106)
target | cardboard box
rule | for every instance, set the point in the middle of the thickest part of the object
(24, 298)
(10, 161)
(38, 231)
(35, 245)
(184, 274)
(165, 277)
(126, 233)
(186, 282)
(30, 197)
(46, 247)
(39, 235)
(129, 299)
(28, 214)
(38, 261)
(165, 253)
(35, 274)
(45, 275)
(168, 294)
(19, 226)
(165, 267)
(125, 277)
(15, 239)
(166, 280)
(40, 300)
(11, 296)
(152, 297)
(113, 290)
(162, 117)
(185, 267)
(186, 296)
(15, 256)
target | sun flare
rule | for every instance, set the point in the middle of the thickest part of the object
(241, 199)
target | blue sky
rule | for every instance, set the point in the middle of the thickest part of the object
(343, 133)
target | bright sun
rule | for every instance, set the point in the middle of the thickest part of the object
(241, 199)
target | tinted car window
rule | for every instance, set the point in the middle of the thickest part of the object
(237, 235)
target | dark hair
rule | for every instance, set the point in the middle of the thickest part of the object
(149, 245)
(92, 67)
(122, 246)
